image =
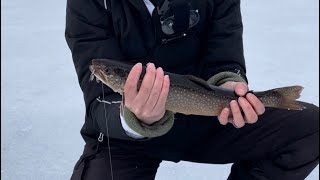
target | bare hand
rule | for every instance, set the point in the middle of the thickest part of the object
(148, 104)
(251, 106)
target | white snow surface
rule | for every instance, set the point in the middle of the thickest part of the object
(42, 105)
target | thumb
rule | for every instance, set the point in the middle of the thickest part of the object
(241, 88)
(229, 85)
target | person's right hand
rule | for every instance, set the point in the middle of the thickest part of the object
(148, 104)
(249, 104)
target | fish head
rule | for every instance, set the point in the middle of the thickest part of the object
(109, 73)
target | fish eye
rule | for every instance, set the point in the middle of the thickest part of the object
(108, 70)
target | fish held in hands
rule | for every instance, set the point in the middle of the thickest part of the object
(192, 95)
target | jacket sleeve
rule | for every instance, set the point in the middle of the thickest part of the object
(89, 35)
(224, 42)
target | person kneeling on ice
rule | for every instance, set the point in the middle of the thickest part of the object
(127, 135)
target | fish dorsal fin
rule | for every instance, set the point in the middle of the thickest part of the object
(199, 81)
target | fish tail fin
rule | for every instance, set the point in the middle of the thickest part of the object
(284, 98)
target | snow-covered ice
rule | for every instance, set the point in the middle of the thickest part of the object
(42, 106)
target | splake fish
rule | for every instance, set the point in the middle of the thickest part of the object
(191, 95)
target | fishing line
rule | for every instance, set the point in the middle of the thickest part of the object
(108, 140)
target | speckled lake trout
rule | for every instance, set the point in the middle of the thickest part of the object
(191, 95)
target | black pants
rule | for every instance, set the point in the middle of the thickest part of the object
(282, 145)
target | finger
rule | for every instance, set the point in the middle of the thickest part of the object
(256, 103)
(224, 115)
(241, 88)
(230, 120)
(236, 113)
(146, 86)
(163, 95)
(130, 87)
(249, 113)
(156, 90)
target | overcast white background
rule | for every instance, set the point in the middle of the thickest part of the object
(42, 106)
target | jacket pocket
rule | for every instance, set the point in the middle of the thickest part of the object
(78, 168)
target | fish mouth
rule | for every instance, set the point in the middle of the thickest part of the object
(97, 66)
(92, 68)
(97, 71)
(107, 69)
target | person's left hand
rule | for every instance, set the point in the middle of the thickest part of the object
(251, 106)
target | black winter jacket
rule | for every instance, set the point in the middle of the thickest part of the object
(124, 29)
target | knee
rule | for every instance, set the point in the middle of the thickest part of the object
(299, 138)
(303, 147)
(309, 127)
(310, 117)
(299, 124)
